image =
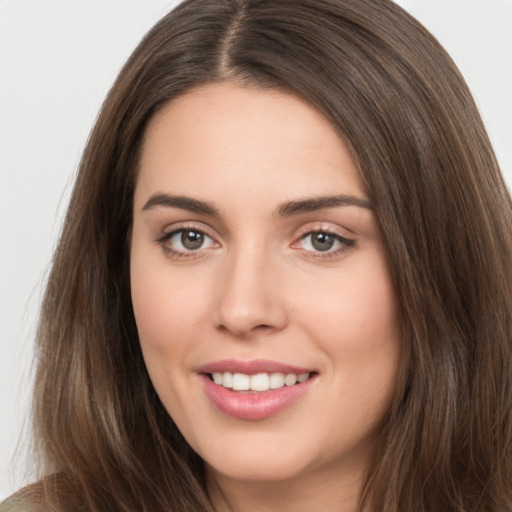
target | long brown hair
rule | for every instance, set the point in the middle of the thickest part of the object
(401, 105)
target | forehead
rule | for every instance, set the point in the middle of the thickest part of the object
(247, 139)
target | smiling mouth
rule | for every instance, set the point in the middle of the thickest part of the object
(258, 382)
(257, 389)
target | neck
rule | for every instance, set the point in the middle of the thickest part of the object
(328, 492)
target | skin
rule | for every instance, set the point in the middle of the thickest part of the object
(258, 288)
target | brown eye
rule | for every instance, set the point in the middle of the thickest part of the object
(322, 241)
(192, 240)
(186, 241)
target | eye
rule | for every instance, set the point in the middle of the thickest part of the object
(324, 242)
(188, 239)
(182, 242)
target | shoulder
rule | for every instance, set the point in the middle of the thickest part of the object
(28, 499)
(19, 503)
(51, 494)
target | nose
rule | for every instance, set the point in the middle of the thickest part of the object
(250, 300)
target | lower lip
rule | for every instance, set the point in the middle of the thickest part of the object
(254, 405)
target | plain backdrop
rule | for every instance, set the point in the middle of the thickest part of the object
(57, 61)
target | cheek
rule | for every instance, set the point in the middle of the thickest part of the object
(355, 324)
(356, 307)
(167, 304)
(166, 313)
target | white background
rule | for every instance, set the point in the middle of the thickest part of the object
(57, 61)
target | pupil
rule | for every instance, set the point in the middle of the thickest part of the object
(192, 239)
(322, 241)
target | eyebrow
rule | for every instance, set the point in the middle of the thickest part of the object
(286, 209)
(181, 202)
(320, 203)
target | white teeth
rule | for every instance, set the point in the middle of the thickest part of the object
(276, 381)
(258, 381)
(227, 380)
(241, 382)
(290, 379)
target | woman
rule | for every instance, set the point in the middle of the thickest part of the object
(284, 279)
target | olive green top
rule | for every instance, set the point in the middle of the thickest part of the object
(16, 504)
(35, 498)
(28, 499)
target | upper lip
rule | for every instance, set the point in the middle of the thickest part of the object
(251, 367)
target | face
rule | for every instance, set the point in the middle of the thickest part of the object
(263, 302)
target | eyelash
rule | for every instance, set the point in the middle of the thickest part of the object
(164, 239)
(345, 244)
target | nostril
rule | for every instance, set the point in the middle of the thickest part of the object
(262, 327)
(246, 332)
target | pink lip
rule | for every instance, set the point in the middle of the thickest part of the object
(251, 367)
(253, 405)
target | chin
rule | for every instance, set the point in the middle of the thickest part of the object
(256, 470)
